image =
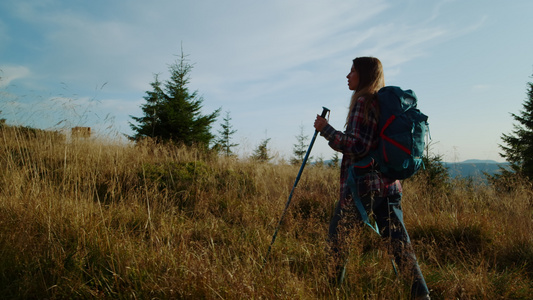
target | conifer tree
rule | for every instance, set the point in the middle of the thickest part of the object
(152, 111)
(300, 148)
(434, 172)
(518, 145)
(334, 163)
(261, 153)
(224, 141)
(172, 112)
(319, 162)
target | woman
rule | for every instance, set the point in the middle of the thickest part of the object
(379, 194)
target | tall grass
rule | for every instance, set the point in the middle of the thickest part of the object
(97, 219)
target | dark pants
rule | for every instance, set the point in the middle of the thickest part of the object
(387, 213)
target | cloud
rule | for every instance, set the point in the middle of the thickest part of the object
(286, 37)
(231, 43)
(8, 74)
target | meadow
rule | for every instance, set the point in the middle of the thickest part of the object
(92, 218)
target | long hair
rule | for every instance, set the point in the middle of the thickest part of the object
(371, 79)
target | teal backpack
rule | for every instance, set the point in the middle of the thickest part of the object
(402, 131)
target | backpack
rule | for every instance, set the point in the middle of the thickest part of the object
(402, 130)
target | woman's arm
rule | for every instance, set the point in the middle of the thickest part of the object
(360, 136)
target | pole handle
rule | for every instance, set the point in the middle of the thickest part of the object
(325, 111)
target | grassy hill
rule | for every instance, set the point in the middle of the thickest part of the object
(94, 219)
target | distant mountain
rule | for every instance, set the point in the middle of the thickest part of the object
(468, 168)
(480, 161)
(474, 168)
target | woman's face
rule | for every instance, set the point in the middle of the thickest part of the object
(353, 79)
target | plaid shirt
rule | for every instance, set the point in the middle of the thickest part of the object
(355, 143)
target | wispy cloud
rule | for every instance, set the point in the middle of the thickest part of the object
(8, 74)
(231, 42)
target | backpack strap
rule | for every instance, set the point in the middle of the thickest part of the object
(352, 184)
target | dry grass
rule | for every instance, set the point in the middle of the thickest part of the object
(94, 219)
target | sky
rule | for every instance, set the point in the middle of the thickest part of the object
(272, 65)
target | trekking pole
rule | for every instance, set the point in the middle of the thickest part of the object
(323, 115)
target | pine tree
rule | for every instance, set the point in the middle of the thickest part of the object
(261, 153)
(172, 113)
(224, 141)
(334, 163)
(319, 162)
(518, 146)
(300, 148)
(152, 110)
(434, 172)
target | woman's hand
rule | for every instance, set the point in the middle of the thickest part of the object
(320, 123)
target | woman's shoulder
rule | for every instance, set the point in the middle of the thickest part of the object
(364, 97)
(374, 104)
(361, 99)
